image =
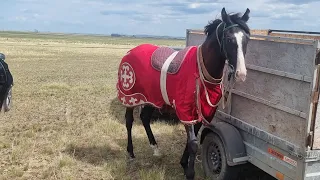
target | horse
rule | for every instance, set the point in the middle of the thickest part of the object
(6, 83)
(188, 80)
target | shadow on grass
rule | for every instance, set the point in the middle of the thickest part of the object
(95, 155)
(113, 157)
(164, 115)
(145, 165)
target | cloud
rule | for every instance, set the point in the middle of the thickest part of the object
(162, 17)
(119, 12)
(296, 1)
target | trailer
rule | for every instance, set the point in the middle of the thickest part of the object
(273, 119)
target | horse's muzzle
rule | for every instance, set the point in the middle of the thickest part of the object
(241, 76)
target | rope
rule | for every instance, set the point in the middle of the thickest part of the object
(230, 85)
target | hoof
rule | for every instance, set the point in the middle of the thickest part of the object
(185, 177)
(189, 175)
(156, 151)
(131, 157)
(156, 154)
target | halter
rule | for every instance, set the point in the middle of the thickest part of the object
(222, 43)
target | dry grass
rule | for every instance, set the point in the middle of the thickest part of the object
(66, 123)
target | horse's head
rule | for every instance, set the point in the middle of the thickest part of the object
(232, 36)
(6, 83)
(235, 37)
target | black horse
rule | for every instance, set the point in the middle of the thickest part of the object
(226, 41)
(6, 83)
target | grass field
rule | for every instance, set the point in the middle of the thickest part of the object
(66, 122)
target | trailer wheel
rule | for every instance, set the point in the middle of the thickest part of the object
(214, 159)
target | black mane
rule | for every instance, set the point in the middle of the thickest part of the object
(235, 18)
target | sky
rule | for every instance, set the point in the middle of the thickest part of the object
(159, 17)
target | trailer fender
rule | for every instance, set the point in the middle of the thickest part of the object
(232, 141)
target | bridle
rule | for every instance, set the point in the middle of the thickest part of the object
(222, 44)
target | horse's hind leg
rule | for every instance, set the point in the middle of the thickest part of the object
(146, 114)
(129, 122)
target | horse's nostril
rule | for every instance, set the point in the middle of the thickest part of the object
(240, 76)
(237, 73)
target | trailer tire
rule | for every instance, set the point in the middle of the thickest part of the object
(213, 150)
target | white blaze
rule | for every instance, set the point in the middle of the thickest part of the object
(241, 71)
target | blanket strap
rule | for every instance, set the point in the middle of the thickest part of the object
(163, 77)
(202, 79)
(198, 104)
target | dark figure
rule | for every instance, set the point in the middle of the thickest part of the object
(6, 83)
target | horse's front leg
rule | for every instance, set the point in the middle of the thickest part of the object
(185, 157)
(192, 149)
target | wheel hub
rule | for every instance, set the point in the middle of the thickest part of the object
(214, 155)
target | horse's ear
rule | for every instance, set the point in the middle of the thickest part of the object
(245, 16)
(225, 17)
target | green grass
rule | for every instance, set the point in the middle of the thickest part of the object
(87, 39)
(66, 122)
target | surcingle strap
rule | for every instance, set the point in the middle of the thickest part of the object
(163, 77)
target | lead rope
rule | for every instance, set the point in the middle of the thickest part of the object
(202, 80)
(223, 50)
(222, 82)
(228, 88)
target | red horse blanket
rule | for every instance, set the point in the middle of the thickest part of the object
(154, 75)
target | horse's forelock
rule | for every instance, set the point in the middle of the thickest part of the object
(234, 17)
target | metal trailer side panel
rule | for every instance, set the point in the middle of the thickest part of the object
(282, 124)
(276, 91)
(195, 37)
(287, 57)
